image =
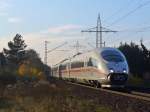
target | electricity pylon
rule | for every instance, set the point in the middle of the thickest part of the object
(77, 46)
(99, 30)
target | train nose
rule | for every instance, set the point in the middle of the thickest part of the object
(119, 67)
(117, 78)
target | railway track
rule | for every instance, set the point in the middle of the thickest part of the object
(140, 94)
(131, 94)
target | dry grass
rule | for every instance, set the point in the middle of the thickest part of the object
(47, 98)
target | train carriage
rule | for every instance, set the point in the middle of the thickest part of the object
(106, 67)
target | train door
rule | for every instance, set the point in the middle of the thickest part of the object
(60, 71)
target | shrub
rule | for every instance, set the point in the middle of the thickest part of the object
(135, 81)
(7, 77)
(29, 72)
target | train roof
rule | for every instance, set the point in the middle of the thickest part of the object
(106, 48)
(83, 56)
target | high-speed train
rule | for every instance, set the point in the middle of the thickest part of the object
(102, 67)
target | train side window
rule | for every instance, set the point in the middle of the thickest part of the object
(90, 62)
(77, 64)
(62, 67)
(93, 62)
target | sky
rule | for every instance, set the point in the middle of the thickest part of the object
(59, 21)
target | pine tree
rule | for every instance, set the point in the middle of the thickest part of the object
(146, 55)
(134, 56)
(2, 60)
(16, 51)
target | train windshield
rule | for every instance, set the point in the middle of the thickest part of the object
(112, 56)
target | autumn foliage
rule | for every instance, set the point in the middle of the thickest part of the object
(20, 62)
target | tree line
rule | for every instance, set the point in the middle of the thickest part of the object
(138, 58)
(19, 63)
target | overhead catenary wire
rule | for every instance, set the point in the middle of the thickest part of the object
(143, 29)
(57, 47)
(119, 10)
(129, 13)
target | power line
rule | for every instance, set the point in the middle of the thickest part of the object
(129, 13)
(142, 29)
(57, 47)
(48, 51)
(127, 36)
(119, 10)
(134, 31)
(128, 30)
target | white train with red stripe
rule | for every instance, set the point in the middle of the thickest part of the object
(106, 67)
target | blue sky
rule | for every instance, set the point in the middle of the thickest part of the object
(62, 20)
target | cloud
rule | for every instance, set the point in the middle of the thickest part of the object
(3, 14)
(4, 7)
(35, 40)
(56, 36)
(4, 4)
(14, 20)
(4, 42)
(60, 29)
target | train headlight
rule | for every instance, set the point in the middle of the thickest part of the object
(124, 71)
(111, 70)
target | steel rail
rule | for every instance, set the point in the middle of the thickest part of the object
(136, 95)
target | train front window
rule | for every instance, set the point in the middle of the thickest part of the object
(112, 56)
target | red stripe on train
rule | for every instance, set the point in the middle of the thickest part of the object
(79, 70)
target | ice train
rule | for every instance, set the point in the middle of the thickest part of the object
(102, 67)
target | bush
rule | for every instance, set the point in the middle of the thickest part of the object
(135, 81)
(7, 78)
(29, 72)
